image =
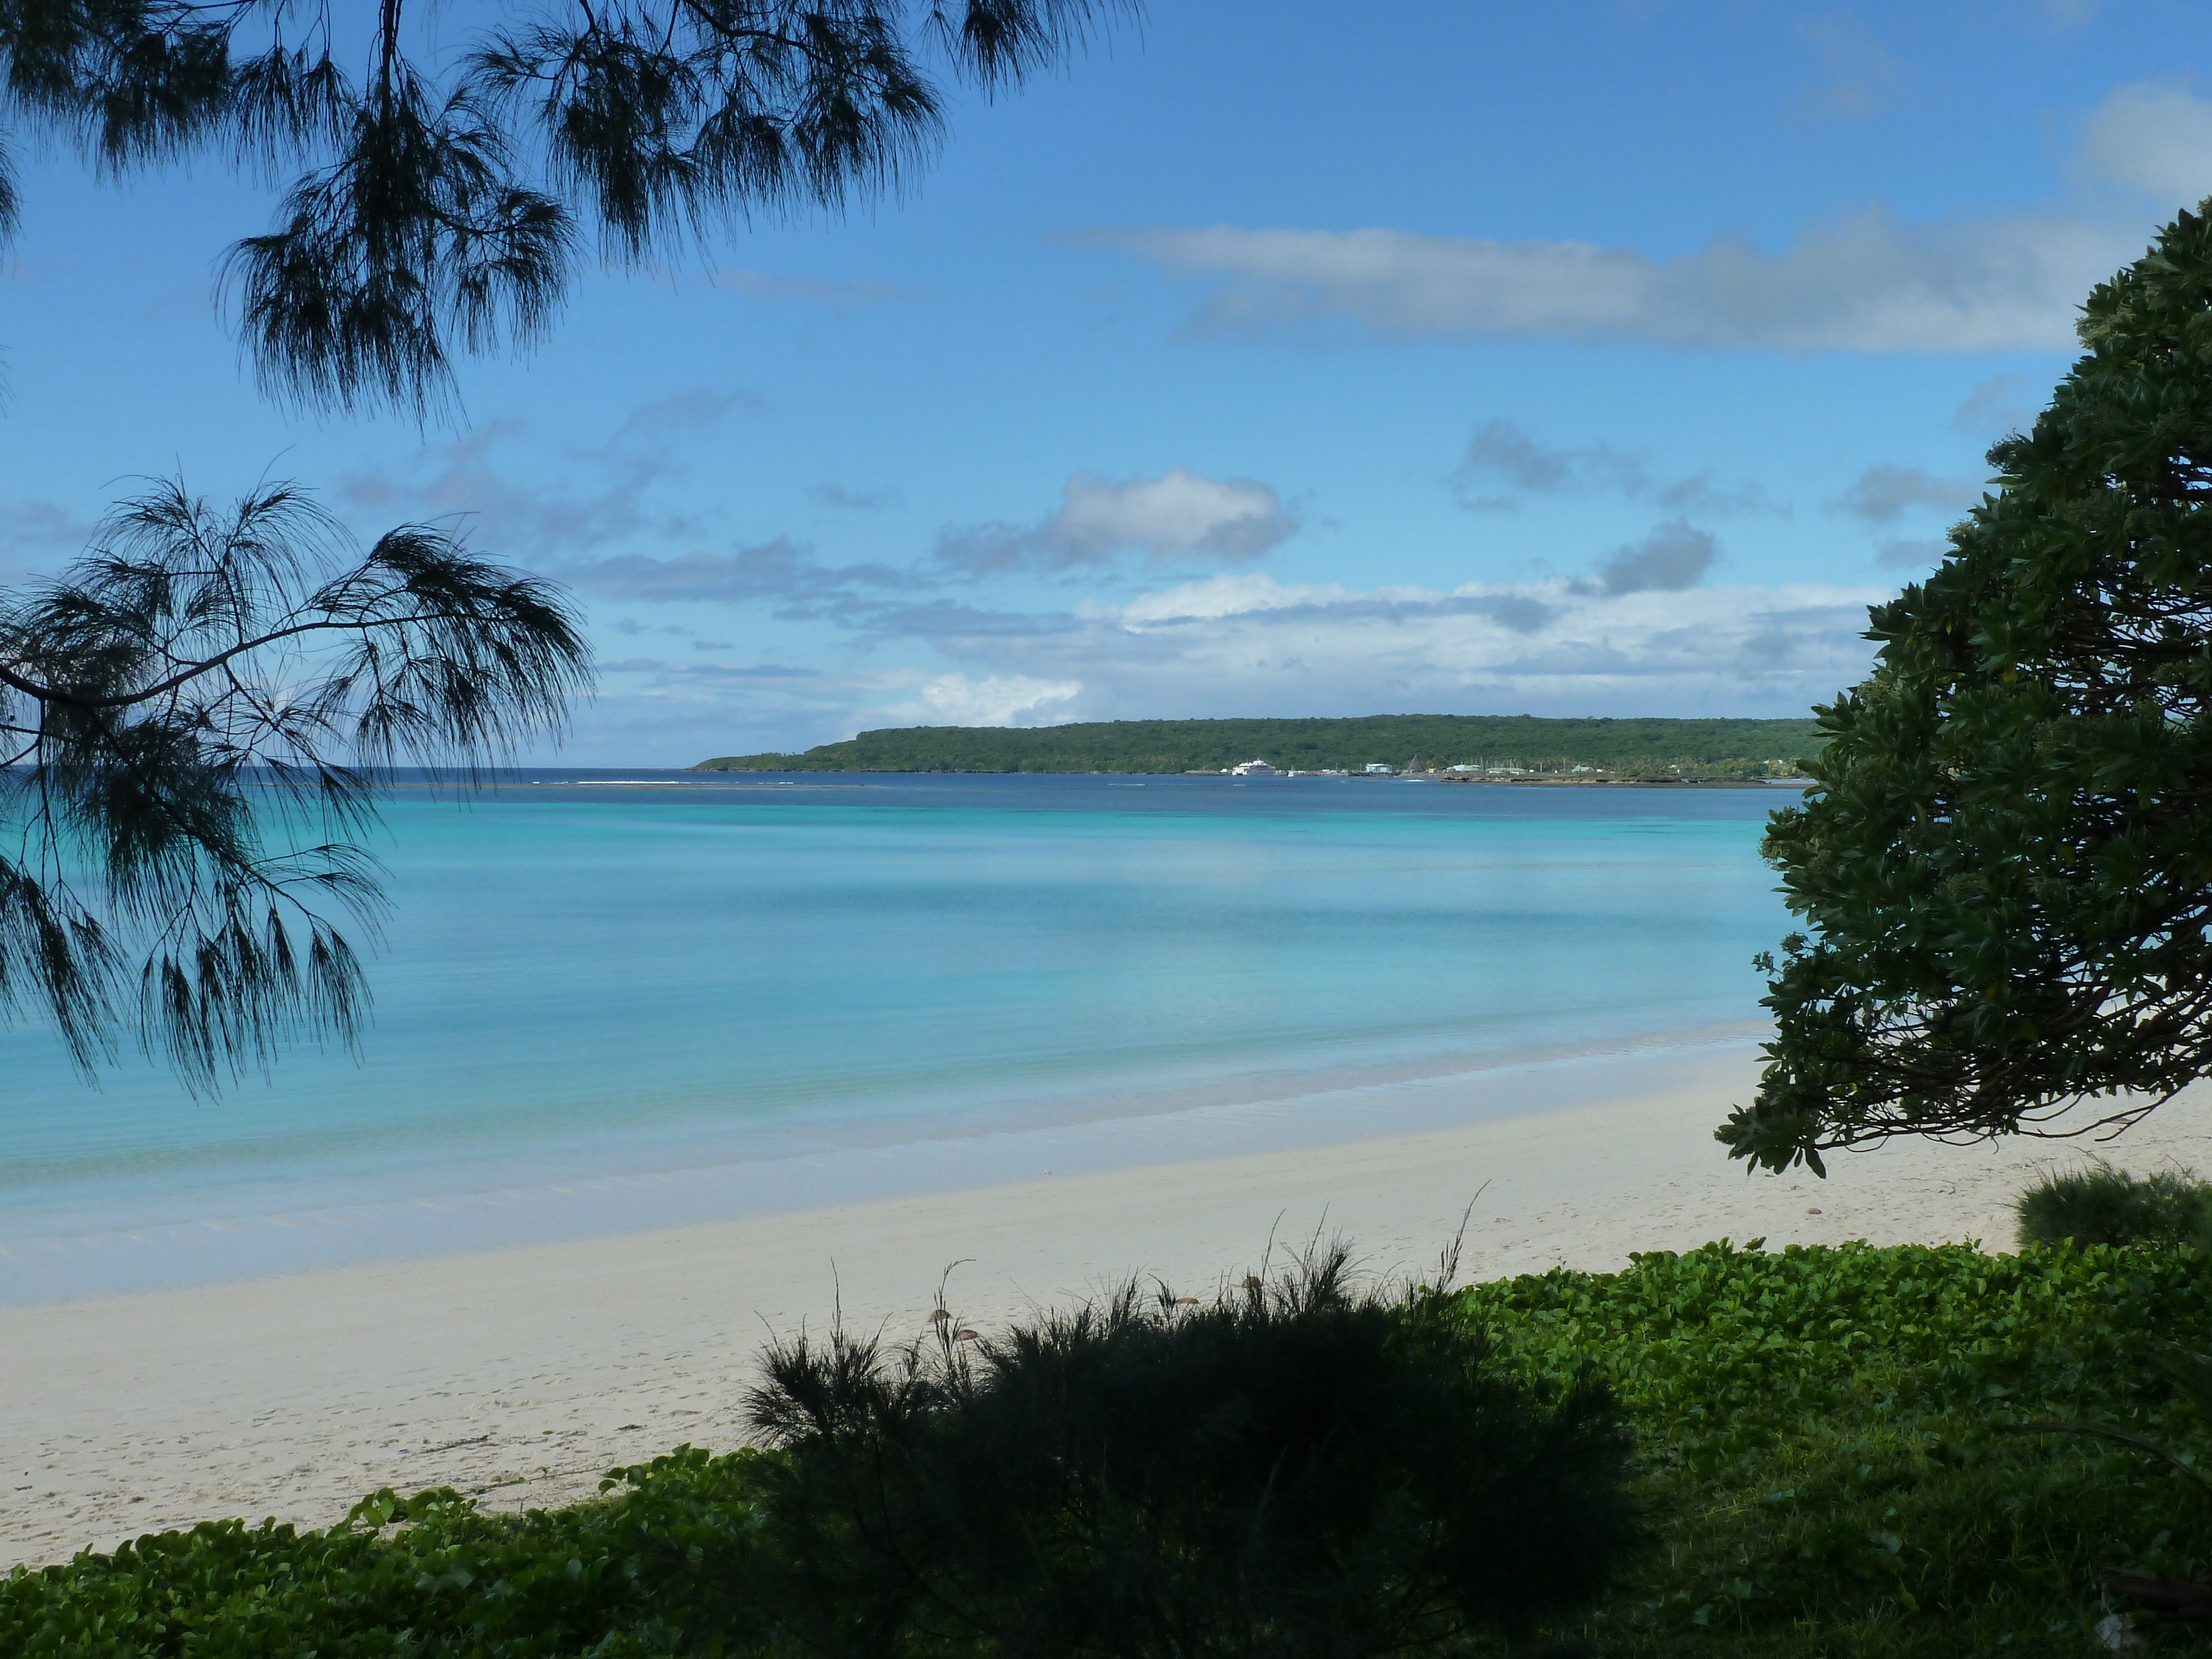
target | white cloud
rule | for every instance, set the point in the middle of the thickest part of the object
(782, 573)
(1243, 642)
(858, 500)
(2154, 137)
(683, 414)
(1671, 558)
(1865, 282)
(1996, 406)
(1502, 454)
(1219, 596)
(1178, 515)
(1883, 495)
(1247, 643)
(997, 700)
(608, 492)
(37, 535)
(1858, 77)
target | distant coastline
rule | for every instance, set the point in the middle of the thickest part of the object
(1462, 748)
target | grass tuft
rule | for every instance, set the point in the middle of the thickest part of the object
(2104, 1206)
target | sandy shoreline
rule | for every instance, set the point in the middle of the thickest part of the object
(526, 1372)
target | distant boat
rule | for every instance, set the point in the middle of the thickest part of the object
(1254, 769)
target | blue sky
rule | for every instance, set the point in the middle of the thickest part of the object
(1595, 358)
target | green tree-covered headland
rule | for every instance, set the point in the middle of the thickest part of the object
(1626, 748)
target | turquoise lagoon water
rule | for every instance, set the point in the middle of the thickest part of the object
(603, 1007)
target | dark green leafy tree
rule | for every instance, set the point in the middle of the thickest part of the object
(437, 206)
(197, 716)
(1293, 1468)
(2006, 861)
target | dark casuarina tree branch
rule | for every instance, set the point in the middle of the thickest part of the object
(437, 210)
(203, 709)
(198, 714)
(2006, 861)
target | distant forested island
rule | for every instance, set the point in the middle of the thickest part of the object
(1498, 744)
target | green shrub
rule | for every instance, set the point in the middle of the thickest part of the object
(1292, 1468)
(2104, 1206)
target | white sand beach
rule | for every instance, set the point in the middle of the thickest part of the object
(525, 1373)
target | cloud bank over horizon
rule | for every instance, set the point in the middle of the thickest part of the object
(1244, 642)
(1176, 617)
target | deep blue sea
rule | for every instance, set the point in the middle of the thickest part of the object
(613, 999)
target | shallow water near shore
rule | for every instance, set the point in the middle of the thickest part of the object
(617, 1000)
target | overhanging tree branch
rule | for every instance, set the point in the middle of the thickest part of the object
(211, 700)
(435, 205)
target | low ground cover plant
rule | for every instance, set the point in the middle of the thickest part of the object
(1834, 1439)
(1828, 1444)
(432, 1575)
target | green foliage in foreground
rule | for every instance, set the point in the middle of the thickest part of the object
(433, 1576)
(1832, 1435)
(2104, 1206)
(1826, 1436)
(1635, 748)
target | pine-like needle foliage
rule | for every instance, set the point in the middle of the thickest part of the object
(442, 201)
(2006, 862)
(1293, 1469)
(198, 715)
